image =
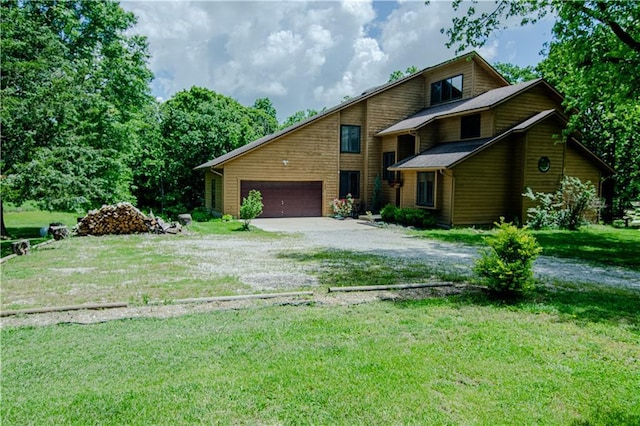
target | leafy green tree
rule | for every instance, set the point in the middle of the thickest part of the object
(298, 117)
(72, 79)
(250, 208)
(197, 125)
(593, 59)
(506, 265)
(516, 74)
(397, 75)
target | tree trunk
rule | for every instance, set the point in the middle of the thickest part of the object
(3, 231)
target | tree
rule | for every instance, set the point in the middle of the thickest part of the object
(594, 60)
(196, 125)
(397, 75)
(72, 79)
(297, 117)
(250, 208)
(515, 74)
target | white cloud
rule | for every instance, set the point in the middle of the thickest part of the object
(300, 54)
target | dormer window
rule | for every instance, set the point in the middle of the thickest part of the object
(446, 90)
(470, 126)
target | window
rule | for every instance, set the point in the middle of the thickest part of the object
(426, 185)
(446, 90)
(349, 184)
(350, 139)
(470, 126)
(388, 160)
(213, 194)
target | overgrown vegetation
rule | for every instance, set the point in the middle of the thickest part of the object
(250, 208)
(418, 218)
(506, 266)
(573, 205)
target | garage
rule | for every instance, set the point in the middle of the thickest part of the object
(287, 199)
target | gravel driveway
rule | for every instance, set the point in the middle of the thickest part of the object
(258, 265)
(394, 241)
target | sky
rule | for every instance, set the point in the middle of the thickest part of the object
(305, 54)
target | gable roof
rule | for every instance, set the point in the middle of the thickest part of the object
(481, 102)
(449, 154)
(218, 161)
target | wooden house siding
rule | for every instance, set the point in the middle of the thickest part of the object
(383, 110)
(451, 70)
(540, 142)
(576, 165)
(482, 186)
(449, 129)
(427, 136)
(483, 81)
(355, 116)
(523, 106)
(445, 200)
(213, 182)
(310, 155)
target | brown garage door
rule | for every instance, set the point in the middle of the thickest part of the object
(287, 199)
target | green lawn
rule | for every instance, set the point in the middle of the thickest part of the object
(562, 355)
(600, 244)
(457, 360)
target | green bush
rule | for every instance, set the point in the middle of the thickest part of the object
(506, 266)
(203, 214)
(418, 218)
(250, 208)
(388, 213)
(571, 206)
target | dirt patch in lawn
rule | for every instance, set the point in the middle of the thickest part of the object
(92, 316)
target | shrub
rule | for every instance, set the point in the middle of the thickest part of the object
(342, 207)
(227, 218)
(250, 208)
(571, 206)
(388, 213)
(418, 218)
(506, 266)
(203, 214)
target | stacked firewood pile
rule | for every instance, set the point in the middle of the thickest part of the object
(122, 218)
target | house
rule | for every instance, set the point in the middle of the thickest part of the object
(455, 138)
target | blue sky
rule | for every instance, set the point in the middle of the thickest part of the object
(301, 54)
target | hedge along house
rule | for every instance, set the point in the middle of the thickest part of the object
(455, 138)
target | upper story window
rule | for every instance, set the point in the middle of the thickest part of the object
(350, 139)
(470, 126)
(388, 160)
(446, 90)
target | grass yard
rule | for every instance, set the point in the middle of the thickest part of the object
(459, 360)
(599, 244)
(565, 354)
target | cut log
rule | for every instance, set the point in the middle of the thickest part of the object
(122, 218)
(184, 219)
(21, 247)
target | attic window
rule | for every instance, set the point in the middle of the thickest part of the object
(470, 126)
(446, 90)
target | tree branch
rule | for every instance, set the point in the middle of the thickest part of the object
(617, 29)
